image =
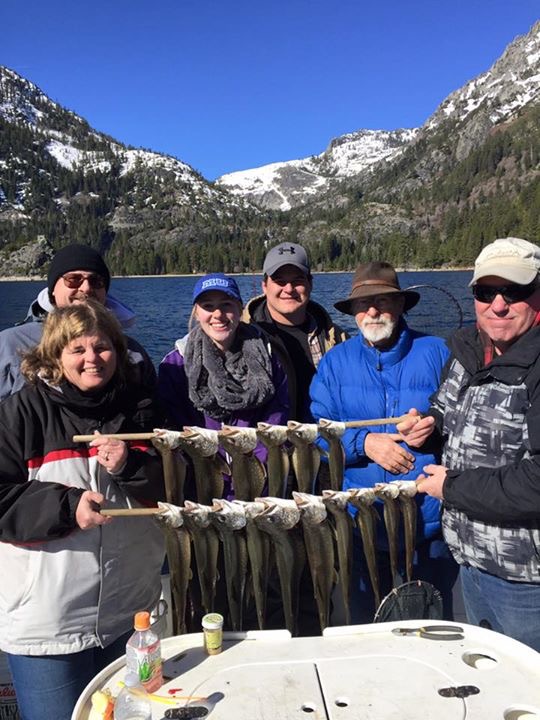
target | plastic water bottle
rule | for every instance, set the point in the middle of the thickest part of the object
(132, 702)
(143, 654)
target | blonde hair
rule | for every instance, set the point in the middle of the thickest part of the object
(66, 324)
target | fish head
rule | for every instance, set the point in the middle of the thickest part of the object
(166, 439)
(271, 435)
(251, 508)
(202, 441)
(229, 514)
(331, 429)
(407, 488)
(362, 497)
(386, 491)
(238, 439)
(280, 513)
(172, 515)
(312, 508)
(199, 514)
(337, 499)
(299, 433)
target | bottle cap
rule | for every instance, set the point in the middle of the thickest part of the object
(142, 621)
(212, 621)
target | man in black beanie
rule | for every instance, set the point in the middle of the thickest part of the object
(76, 273)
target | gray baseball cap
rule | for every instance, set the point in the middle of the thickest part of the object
(512, 259)
(286, 253)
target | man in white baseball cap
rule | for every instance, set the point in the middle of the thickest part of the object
(486, 414)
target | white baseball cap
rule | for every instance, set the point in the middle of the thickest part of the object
(513, 259)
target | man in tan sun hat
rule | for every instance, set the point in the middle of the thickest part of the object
(382, 372)
(486, 414)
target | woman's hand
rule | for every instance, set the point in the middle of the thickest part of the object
(87, 515)
(432, 482)
(416, 429)
(112, 454)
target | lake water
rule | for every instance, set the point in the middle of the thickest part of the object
(163, 304)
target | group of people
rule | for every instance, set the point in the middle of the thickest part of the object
(76, 577)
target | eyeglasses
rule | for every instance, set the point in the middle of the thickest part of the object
(75, 280)
(510, 293)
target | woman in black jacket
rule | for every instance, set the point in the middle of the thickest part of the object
(75, 577)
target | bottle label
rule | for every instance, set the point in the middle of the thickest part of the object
(146, 662)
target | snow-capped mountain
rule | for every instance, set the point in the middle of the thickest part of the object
(283, 185)
(492, 98)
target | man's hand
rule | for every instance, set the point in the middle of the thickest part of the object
(384, 449)
(87, 513)
(416, 429)
(432, 482)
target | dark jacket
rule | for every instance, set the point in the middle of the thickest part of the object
(326, 333)
(489, 419)
(70, 589)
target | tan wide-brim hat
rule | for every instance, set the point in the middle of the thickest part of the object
(376, 278)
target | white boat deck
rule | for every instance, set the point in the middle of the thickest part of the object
(362, 672)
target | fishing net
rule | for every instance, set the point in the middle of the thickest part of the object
(415, 600)
(439, 312)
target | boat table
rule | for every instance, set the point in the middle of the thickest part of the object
(361, 672)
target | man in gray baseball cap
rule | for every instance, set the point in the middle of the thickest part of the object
(485, 414)
(301, 329)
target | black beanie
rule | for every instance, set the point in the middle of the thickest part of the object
(76, 257)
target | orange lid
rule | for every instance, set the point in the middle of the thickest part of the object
(142, 621)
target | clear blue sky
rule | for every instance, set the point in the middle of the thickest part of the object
(232, 84)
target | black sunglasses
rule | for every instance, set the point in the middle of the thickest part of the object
(75, 280)
(510, 293)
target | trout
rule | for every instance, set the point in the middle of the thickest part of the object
(202, 445)
(174, 467)
(280, 519)
(248, 472)
(178, 548)
(389, 494)
(407, 501)
(306, 457)
(274, 437)
(258, 547)
(230, 520)
(319, 542)
(366, 518)
(336, 502)
(332, 432)
(205, 541)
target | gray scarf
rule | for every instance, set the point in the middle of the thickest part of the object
(223, 383)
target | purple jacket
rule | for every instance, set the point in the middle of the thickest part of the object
(173, 394)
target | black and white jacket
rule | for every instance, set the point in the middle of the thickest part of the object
(489, 417)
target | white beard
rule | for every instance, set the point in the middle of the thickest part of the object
(376, 330)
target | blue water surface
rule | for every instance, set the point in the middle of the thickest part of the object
(163, 304)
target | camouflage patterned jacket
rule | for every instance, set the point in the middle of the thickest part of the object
(490, 425)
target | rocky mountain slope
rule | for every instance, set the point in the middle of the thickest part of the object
(426, 197)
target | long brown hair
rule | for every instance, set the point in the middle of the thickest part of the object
(66, 324)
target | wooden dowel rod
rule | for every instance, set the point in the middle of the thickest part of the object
(129, 512)
(376, 421)
(117, 436)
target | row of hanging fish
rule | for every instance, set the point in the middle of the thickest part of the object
(293, 444)
(255, 535)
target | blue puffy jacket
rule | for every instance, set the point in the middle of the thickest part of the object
(357, 382)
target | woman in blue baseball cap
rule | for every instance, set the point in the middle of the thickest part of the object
(223, 371)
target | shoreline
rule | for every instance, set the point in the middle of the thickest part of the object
(43, 278)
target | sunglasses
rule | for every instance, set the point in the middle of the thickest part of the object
(75, 280)
(510, 293)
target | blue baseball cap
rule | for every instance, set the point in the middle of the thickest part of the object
(216, 281)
